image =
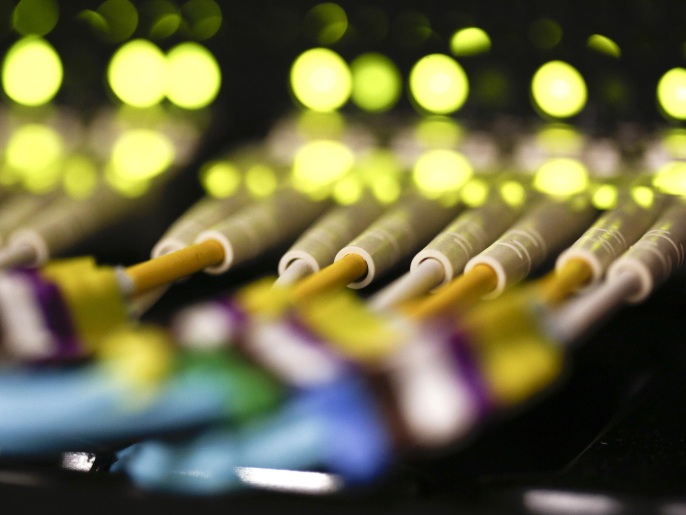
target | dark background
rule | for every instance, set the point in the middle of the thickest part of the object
(615, 426)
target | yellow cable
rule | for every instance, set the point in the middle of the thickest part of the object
(562, 283)
(341, 273)
(460, 293)
(165, 269)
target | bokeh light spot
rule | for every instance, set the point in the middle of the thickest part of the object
(470, 41)
(261, 180)
(31, 72)
(671, 178)
(37, 17)
(376, 82)
(440, 172)
(671, 93)
(220, 179)
(326, 23)
(438, 84)
(321, 80)
(33, 147)
(319, 164)
(204, 18)
(558, 89)
(643, 195)
(194, 76)
(561, 177)
(80, 176)
(141, 154)
(605, 197)
(474, 193)
(604, 45)
(137, 73)
(513, 193)
(545, 33)
(121, 17)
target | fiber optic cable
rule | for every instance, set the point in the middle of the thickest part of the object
(415, 377)
(17, 208)
(632, 277)
(585, 262)
(317, 247)
(447, 254)
(139, 387)
(547, 227)
(205, 213)
(239, 237)
(336, 426)
(63, 223)
(413, 220)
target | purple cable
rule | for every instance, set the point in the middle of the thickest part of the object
(461, 352)
(55, 314)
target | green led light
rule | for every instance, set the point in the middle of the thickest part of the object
(474, 193)
(163, 18)
(95, 21)
(643, 196)
(438, 84)
(203, 17)
(321, 80)
(604, 45)
(194, 77)
(605, 197)
(35, 17)
(470, 41)
(347, 191)
(545, 33)
(320, 125)
(378, 162)
(386, 189)
(671, 93)
(121, 19)
(558, 89)
(439, 172)
(31, 72)
(438, 132)
(141, 154)
(220, 179)
(319, 164)
(80, 176)
(327, 22)
(671, 178)
(561, 177)
(376, 82)
(560, 139)
(33, 147)
(513, 193)
(137, 73)
(260, 180)
(674, 142)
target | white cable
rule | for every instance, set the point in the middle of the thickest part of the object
(298, 269)
(579, 315)
(425, 276)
